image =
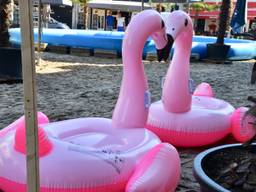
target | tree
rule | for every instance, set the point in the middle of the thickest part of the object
(5, 22)
(218, 51)
(252, 115)
(84, 3)
(10, 63)
(225, 16)
(160, 7)
(197, 7)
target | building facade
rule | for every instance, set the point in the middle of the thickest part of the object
(208, 20)
(61, 10)
(97, 11)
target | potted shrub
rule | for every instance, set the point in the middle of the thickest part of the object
(229, 167)
(219, 50)
(10, 63)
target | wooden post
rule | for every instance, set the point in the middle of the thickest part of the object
(142, 5)
(39, 34)
(28, 62)
(253, 76)
(105, 19)
(91, 14)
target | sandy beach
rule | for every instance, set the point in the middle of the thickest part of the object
(71, 87)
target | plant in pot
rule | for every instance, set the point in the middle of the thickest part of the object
(218, 50)
(10, 63)
(230, 167)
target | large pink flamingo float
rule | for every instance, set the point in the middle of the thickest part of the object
(181, 118)
(97, 154)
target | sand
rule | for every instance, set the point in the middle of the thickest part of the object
(71, 87)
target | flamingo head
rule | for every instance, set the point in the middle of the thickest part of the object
(176, 23)
(160, 39)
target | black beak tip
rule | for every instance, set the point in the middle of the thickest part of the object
(163, 54)
(163, 25)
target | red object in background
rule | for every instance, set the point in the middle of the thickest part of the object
(212, 27)
(251, 12)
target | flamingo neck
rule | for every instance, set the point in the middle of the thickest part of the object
(131, 109)
(177, 93)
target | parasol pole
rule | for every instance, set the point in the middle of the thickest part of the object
(29, 81)
(142, 5)
(39, 34)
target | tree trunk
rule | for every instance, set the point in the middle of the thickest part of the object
(225, 13)
(5, 22)
(196, 21)
(85, 15)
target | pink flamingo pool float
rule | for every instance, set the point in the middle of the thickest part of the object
(98, 154)
(181, 118)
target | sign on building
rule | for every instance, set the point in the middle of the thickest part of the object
(35, 12)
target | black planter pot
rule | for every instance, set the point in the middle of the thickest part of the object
(10, 64)
(207, 184)
(217, 52)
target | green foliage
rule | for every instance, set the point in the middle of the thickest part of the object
(252, 111)
(251, 114)
(197, 7)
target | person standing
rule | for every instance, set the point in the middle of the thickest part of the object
(109, 22)
(120, 22)
(212, 28)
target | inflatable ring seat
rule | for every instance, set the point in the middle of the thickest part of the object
(88, 155)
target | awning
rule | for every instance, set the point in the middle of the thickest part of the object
(204, 14)
(57, 2)
(251, 13)
(117, 5)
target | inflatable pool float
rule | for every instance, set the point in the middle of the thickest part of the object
(187, 120)
(240, 49)
(112, 40)
(98, 154)
(88, 154)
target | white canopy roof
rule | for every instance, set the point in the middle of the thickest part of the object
(57, 2)
(117, 5)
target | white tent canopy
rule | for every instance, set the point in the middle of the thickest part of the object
(117, 5)
(57, 2)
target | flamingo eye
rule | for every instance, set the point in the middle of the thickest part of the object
(186, 22)
(173, 29)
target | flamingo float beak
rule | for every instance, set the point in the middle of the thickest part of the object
(163, 54)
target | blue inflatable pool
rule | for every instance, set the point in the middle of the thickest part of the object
(107, 40)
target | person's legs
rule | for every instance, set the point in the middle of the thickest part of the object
(120, 28)
(109, 28)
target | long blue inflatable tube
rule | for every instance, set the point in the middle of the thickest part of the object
(108, 40)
